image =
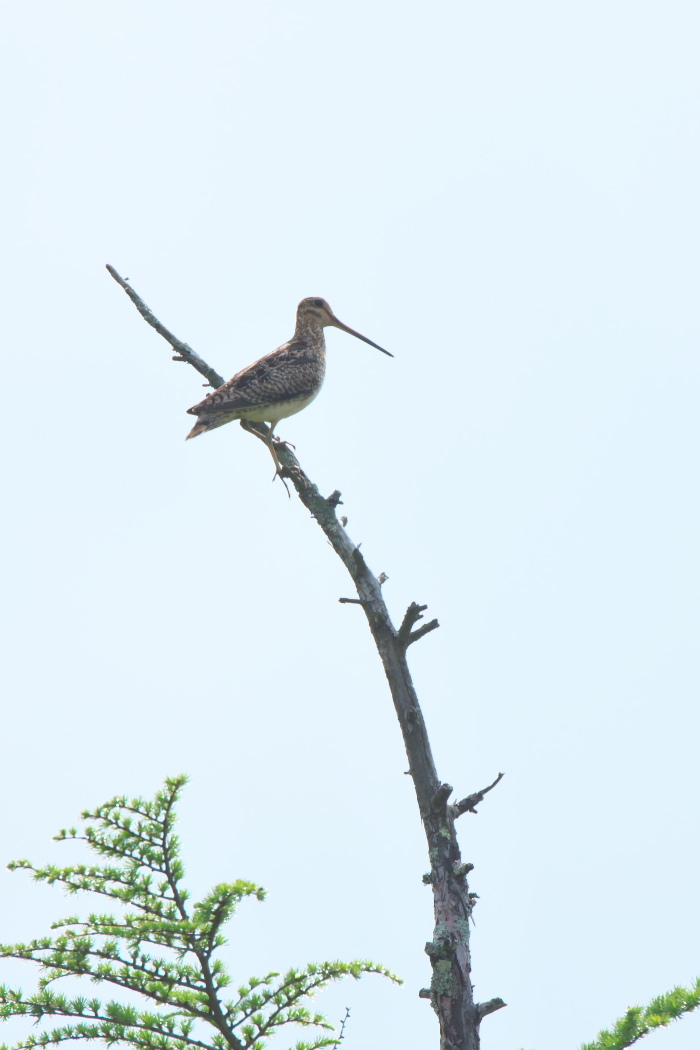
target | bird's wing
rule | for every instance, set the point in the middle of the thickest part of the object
(281, 375)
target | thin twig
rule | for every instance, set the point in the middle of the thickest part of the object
(185, 352)
(343, 1023)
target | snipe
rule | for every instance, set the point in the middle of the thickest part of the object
(279, 384)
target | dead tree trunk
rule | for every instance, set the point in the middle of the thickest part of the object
(450, 992)
(450, 989)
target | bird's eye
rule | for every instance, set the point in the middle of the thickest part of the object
(318, 302)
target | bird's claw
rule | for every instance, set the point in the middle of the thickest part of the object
(278, 474)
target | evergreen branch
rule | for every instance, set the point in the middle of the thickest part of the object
(99, 880)
(231, 1009)
(638, 1021)
(110, 948)
(161, 989)
(217, 917)
(110, 1033)
(113, 850)
(296, 985)
(317, 1044)
(332, 972)
(133, 931)
(108, 814)
(112, 1014)
(208, 917)
(170, 864)
(218, 906)
(136, 844)
(134, 976)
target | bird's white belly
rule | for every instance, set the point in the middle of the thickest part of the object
(274, 412)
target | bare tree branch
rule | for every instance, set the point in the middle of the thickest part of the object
(413, 614)
(420, 631)
(490, 1007)
(451, 992)
(469, 803)
(439, 799)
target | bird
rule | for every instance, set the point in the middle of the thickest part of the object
(281, 383)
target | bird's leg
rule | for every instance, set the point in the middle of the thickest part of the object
(268, 439)
(270, 442)
(273, 444)
(252, 430)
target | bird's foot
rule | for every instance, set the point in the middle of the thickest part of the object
(281, 441)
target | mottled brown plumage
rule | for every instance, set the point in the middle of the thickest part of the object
(279, 384)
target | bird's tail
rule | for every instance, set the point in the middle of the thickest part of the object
(199, 428)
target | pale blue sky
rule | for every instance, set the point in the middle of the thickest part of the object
(505, 196)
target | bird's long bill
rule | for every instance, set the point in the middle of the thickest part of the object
(351, 331)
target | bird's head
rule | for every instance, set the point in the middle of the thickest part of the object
(315, 309)
(318, 311)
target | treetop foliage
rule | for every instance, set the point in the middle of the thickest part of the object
(183, 983)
